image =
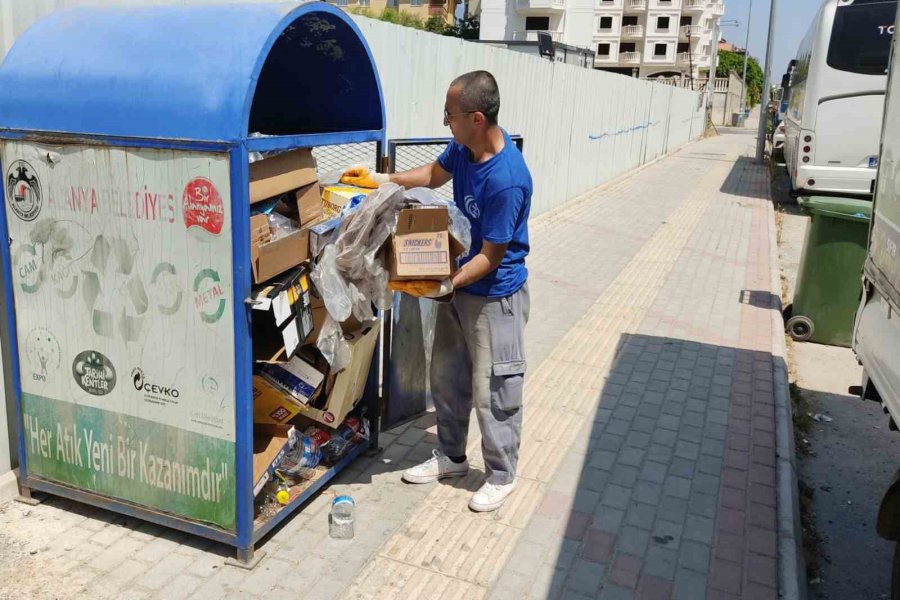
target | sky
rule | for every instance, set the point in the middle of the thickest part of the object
(792, 20)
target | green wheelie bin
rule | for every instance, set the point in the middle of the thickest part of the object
(826, 294)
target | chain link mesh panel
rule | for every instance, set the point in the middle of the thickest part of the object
(407, 154)
(336, 158)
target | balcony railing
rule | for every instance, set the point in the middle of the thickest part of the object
(541, 4)
(630, 58)
(633, 31)
(695, 4)
(720, 84)
(689, 58)
(635, 4)
(531, 36)
(691, 30)
(718, 8)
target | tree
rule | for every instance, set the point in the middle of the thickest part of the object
(436, 24)
(734, 61)
(467, 28)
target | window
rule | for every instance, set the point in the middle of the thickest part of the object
(605, 22)
(628, 47)
(602, 49)
(340, 2)
(537, 23)
(363, 2)
(683, 47)
(629, 21)
(660, 49)
(415, 2)
(861, 38)
(662, 23)
(685, 21)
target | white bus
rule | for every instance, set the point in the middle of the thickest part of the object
(833, 122)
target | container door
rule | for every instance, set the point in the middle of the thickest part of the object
(121, 264)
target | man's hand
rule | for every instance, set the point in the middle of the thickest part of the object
(483, 264)
(364, 177)
(423, 288)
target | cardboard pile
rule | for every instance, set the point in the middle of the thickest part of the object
(292, 218)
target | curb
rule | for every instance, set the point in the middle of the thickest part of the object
(791, 566)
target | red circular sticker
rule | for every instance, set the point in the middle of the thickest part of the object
(328, 417)
(202, 206)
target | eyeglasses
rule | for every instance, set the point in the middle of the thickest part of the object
(448, 115)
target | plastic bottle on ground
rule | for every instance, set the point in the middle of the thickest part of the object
(340, 522)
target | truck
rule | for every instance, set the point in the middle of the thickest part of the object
(876, 328)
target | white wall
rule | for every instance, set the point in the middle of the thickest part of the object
(582, 127)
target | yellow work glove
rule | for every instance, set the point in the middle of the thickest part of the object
(423, 288)
(364, 177)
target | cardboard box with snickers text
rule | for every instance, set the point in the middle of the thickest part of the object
(422, 246)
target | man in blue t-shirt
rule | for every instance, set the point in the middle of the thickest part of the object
(479, 351)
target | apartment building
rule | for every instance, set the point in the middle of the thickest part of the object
(424, 9)
(642, 38)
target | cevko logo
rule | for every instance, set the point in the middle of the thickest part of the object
(151, 389)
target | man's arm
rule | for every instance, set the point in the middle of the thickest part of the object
(431, 176)
(485, 263)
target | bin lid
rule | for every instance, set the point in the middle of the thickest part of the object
(207, 72)
(851, 209)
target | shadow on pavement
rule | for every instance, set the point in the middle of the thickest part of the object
(673, 493)
(735, 184)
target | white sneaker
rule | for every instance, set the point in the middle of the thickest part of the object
(436, 467)
(491, 496)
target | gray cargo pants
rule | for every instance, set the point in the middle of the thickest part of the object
(479, 359)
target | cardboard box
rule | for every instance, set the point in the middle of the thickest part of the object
(320, 234)
(296, 377)
(422, 247)
(282, 173)
(282, 315)
(270, 445)
(309, 204)
(270, 258)
(272, 406)
(348, 385)
(336, 197)
(318, 313)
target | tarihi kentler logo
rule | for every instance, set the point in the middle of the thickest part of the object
(23, 191)
(94, 373)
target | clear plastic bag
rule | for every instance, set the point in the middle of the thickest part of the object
(351, 275)
(280, 226)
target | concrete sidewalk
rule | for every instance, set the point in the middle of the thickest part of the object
(648, 467)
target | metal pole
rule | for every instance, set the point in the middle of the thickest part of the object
(746, 56)
(763, 120)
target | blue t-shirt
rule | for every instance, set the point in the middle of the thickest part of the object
(496, 197)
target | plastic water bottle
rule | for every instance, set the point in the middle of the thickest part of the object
(340, 524)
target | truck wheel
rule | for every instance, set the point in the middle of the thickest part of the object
(800, 328)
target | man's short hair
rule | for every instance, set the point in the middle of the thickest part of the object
(478, 91)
